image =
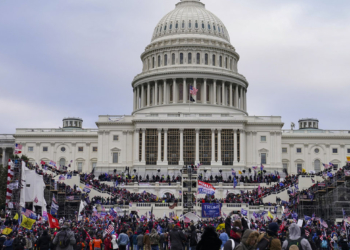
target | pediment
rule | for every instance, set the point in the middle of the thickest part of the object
(115, 149)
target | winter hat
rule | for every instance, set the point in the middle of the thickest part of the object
(273, 227)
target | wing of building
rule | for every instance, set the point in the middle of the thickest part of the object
(189, 107)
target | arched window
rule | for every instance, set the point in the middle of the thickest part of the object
(196, 25)
(165, 27)
(202, 25)
(226, 62)
(317, 165)
(173, 59)
(189, 24)
(165, 60)
(214, 60)
(161, 27)
(206, 59)
(183, 24)
(171, 26)
(198, 58)
(153, 62)
(158, 61)
(231, 66)
(219, 29)
(220, 61)
(181, 58)
(177, 25)
(214, 27)
(62, 162)
(208, 26)
(189, 58)
(223, 30)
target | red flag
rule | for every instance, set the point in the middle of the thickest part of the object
(53, 222)
(42, 163)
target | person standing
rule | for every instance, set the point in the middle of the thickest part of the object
(154, 239)
(176, 238)
(140, 241)
(114, 242)
(123, 240)
(19, 242)
(146, 241)
(134, 241)
(223, 237)
(64, 240)
(8, 243)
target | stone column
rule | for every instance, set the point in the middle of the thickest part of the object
(231, 101)
(243, 147)
(136, 145)
(195, 86)
(143, 156)
(235, 146)
(204, 99)
(165, 161)
(223, 93)
(236, 96)
(4, 156)
(164, 92)
(197, 146)
(159, 153)
(213, 146)
(181, 161)
(160, 90)
(174, 91)
(214, 92)
(155, 94)
(137, 97)
(184, 90)
(142, 95)
(245, 100)
(219, 146)
(148, 94)
(125, 138)
(241, 101)
(134, 99)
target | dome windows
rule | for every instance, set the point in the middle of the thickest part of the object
(165, 60)
(214, 59)
(219, 28)
(158, 61)
(226, 62)
(171, 26)
(153, 60)
(198, 58)
(203, 25)
(165, 27)
(173, 59)
(181, 58)
(220, 61)
(161, 27)
(189, 58)
(208, 26)
(196, 25)
(183, 24)
(214, 27)
(206, 59)
(177, 25)
(189, 24)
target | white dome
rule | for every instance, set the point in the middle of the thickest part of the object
(190, 17)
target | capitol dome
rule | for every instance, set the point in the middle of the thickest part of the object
(190, 49)
(190, 18)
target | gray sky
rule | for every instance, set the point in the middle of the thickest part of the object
(78, 58)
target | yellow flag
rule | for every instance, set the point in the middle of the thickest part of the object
(304, 171)
(16, 217)
(269, 215)
(220, 227)
(348, 158)
(7, 231)
(240, 172)
(26, 222)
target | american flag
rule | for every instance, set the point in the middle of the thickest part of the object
(193, 90)
(61, 178)
(54, 198)
(325, 165)
(70, 198)
(233, 171)
(18, 146)
(103, 208)
(313, 181)
(187, 220)
(110, 229)
(88, 186)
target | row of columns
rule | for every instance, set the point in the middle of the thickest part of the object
(4, 155)
(181, 159)
(161, 94)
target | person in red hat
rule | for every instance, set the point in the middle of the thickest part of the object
(146, 241)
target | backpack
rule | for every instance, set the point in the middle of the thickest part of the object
(296, 242)
(324, 244)
(79, 246)
(265, 243)
(63, 239)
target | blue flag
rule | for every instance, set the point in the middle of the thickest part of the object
(244, 212)
(307, 217)
(234, 182)
(116, 183)
(330, 174)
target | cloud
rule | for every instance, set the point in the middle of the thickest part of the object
(78, 58)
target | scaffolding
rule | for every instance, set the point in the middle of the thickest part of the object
(189, 188)
(17, 183)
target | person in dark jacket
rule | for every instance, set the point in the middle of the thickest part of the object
(176, 238)
(193, 238)
(19, 242)
(70, 235)
(44, 241)
(209, 240)
(343, 244)
(228, 224)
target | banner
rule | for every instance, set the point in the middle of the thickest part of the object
(211, 210)
(205, 188)
(347, 172)
(86, 190)
(54, 208)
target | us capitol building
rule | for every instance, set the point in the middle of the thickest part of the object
(169, 127)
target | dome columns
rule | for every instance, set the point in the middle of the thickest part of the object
(177, 91)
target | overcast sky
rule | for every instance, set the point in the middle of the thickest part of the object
(78, 58)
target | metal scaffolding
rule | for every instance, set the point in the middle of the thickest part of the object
(189, 187)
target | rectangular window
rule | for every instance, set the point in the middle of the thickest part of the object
(45, 149)
(348, 150)
(173, 146)
(285, 165)
(30, 149)
(335, 166)
(94, 149)
(115, 157)
(80, 149)
(189, 148)
(165, 60)
(284, 150)
(205, 146)
(173, 59)
(214, 60)
(151, 146)
(206, 59)
(181, 58)
(263, 138)
(335, 151)
(115, 137)
(299, 167)
(298, 150)
(198, 58)
(189, 58)
(263, 158)
(80, 167)
(140, 145)
(227, 146)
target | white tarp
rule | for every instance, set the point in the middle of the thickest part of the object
(34, 189)
(24, 170)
